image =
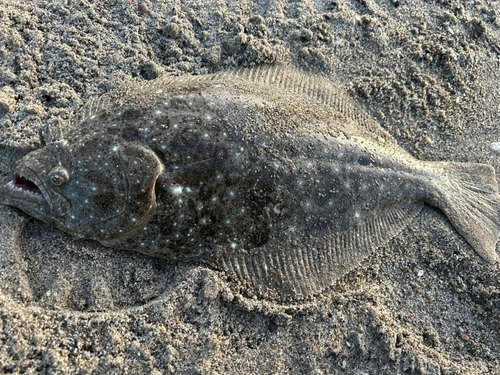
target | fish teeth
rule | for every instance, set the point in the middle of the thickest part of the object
(19, 192)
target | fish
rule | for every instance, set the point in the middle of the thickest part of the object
(273, 176)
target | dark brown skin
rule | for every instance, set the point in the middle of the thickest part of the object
(235, 171)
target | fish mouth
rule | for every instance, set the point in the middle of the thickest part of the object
(22, 183)
(23, 191)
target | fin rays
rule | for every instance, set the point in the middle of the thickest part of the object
(286, 79)
(471, 202)
(300, 269)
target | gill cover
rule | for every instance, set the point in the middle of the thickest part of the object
(141, 172)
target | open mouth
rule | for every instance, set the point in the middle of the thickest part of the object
(20, 191)
(23, 183)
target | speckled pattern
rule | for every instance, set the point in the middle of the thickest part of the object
(423, 303)
(287, 192)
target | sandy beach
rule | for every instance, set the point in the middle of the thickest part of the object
(426, 303)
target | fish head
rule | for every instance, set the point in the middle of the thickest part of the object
(95, 188)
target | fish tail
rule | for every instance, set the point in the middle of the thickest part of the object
(469, 198)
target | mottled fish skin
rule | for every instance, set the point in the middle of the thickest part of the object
(272, 175)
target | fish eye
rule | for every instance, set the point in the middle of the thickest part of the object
(59, 176)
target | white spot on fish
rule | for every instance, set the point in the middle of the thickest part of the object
(176, 190)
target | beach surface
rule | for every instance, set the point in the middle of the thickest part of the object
(425, 303)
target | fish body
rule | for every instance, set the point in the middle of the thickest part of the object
(274, 176)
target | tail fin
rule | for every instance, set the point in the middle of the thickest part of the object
(470, 200)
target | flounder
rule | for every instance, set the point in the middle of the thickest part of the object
(274, 176)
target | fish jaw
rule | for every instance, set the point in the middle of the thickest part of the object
(26, 192)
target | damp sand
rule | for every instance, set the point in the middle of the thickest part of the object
(423, 304)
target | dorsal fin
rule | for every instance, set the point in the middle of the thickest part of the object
(326, 91)
(288, 271)
(93, 107)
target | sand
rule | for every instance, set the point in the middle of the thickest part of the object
(423, 304)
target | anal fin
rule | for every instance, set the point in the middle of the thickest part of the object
(304, 266)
